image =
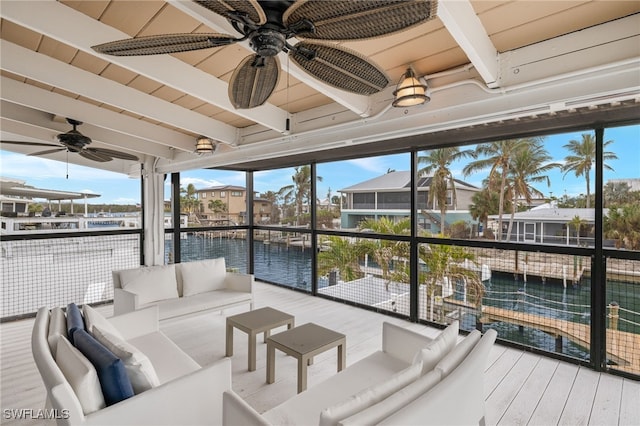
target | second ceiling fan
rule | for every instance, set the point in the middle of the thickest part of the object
(268, 25)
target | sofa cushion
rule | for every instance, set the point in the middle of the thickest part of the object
(151, 283)
(202, 276)
(200, 302)
(458, 354)
(139, 369)
(306, 406)
(383, 409)
(93, 318)
(367, 397)
(114, 382)
(433, 352)
(168, 360)
(81, 375)
(57, 328)
(74, 321)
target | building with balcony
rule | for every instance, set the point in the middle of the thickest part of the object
(227, 204)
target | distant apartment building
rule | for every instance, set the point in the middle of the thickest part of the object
(389, 196)
(227, 204)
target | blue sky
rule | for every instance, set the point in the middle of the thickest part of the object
(116, 188)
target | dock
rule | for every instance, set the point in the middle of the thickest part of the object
(623, 348)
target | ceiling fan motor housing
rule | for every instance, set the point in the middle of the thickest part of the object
(267, 42)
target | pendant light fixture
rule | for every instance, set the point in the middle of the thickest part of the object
(410, 91)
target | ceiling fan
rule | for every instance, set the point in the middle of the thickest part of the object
(269, 24)
(75, 142)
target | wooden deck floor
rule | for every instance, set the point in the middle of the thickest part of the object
(520, 388)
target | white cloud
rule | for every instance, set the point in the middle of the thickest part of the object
(373, 164)
(199, 183)
(124, 201)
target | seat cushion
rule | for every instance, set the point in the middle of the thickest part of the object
(458, 354)
(81, 375)
(74, 321)
(114, 382)
(217, 299)
(150, 283)
(139, 369)
(168, 360)
(202, 276)
(305, 408)
(367, 397)
(57, 328)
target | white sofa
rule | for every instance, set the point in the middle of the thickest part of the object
(185, 393)
(387, 387)
(181, 289)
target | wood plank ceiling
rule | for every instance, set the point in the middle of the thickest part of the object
(49, 71)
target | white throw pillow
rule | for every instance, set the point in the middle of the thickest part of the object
(139, 369)
(367, 397)
(383, 409)
(202, 276)
(57, 329)
(93, 318)
(150, 283)
(431, 354)
(458, 354)
(81, 375)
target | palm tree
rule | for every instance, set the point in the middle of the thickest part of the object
(338, 253)
(583, 157)
(577, 222)
(623, 226)
(384, 252)
(300, 190)
(437, 163)
(528, 166)
(497, 159)
(188, 201)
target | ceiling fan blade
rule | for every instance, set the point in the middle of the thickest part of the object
(49, 151)
(253, 81)
(95, 156)
(166, 43)
(340, 67)
(113, 153)
(27, 143)
(250, 8)
(353, 20)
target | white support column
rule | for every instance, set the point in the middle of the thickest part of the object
(153, 215)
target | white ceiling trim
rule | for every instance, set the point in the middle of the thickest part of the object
(464, 25)
(359, 104)
(54, 103)
(42, 68)
(82, 32)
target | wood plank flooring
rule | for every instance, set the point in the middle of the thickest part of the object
(520, 388)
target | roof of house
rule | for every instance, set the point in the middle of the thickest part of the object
(549, 213)
(222, 188)
(398, 180)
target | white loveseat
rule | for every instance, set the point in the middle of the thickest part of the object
(184, 394)
(181, 289)
(412, 380)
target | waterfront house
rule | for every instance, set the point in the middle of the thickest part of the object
(389, 196)
(490, 71)
(225, 204)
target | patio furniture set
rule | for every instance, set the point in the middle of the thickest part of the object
(124, 370)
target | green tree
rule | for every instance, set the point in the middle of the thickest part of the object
(444, 265)
(339, 254)
(577, 223)
(582, 157)
(386, 252)
(300, 190)
(189, 202)
(529, 165)
(437, 163)
(217, 206)
(623, 225)
(616, 194)
(485, 203)
(497, 158)
(272, 197)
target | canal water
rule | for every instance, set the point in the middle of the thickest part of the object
(291, 266)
